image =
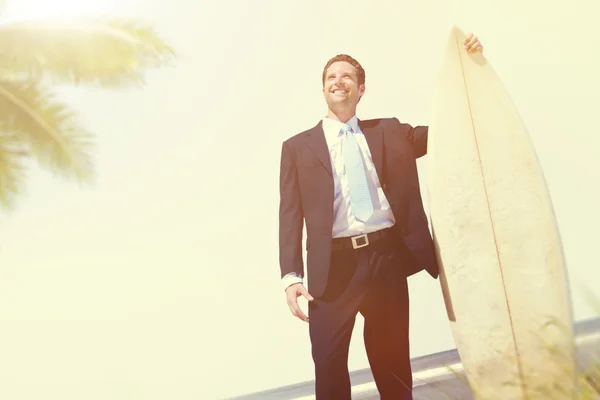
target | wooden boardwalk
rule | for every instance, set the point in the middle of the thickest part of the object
(431, 378)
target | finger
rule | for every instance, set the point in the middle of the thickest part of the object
(306, 295)
(468, 39)
(293, 306)
(301, 315)
(297, 312)
(476, 47)
(471, 42)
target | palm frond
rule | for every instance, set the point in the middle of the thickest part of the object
(46, 129)
(12, 175)
(108, 52)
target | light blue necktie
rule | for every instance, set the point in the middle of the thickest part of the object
(360, 197)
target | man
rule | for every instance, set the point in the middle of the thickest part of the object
(354, 184)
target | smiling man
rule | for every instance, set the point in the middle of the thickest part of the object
(354, 184)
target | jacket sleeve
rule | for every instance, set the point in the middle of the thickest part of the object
(417, 136)
(291, 216)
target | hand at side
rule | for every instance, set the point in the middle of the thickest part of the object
(292, 293)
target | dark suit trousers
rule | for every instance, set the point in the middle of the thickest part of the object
(371, 281)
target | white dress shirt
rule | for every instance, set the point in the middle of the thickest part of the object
(344, 222)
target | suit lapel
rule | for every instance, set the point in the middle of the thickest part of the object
(374, 136)
(317, 143)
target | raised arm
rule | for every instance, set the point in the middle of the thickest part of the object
(417, 136)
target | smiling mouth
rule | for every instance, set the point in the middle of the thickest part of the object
(339, 91)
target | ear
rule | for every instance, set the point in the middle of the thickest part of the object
(361, 91)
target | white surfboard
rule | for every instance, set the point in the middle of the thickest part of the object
(502, 268)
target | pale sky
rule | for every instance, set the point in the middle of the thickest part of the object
(162, 280)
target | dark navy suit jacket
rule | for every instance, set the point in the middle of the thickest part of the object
(307, 190)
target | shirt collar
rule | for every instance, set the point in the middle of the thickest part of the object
(332, 128)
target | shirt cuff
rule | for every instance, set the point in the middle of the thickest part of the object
(290, 279)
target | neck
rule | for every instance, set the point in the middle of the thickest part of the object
(341, 115)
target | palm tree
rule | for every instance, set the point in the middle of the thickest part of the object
(34, 125)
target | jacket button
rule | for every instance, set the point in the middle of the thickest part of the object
(403, 231)
(385, 186)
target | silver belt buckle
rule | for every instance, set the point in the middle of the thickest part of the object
(355, 239)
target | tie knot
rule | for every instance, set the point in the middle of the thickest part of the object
(346, 129)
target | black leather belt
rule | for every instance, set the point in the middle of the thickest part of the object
(360, 241)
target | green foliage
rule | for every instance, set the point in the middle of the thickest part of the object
(108, 52)
(34, 125)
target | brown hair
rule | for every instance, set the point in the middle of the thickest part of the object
(360, 72)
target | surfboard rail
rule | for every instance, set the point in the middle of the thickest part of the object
(502, 269)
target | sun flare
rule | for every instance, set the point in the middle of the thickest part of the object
(22, 10)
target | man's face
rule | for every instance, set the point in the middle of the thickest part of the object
(341, 88)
